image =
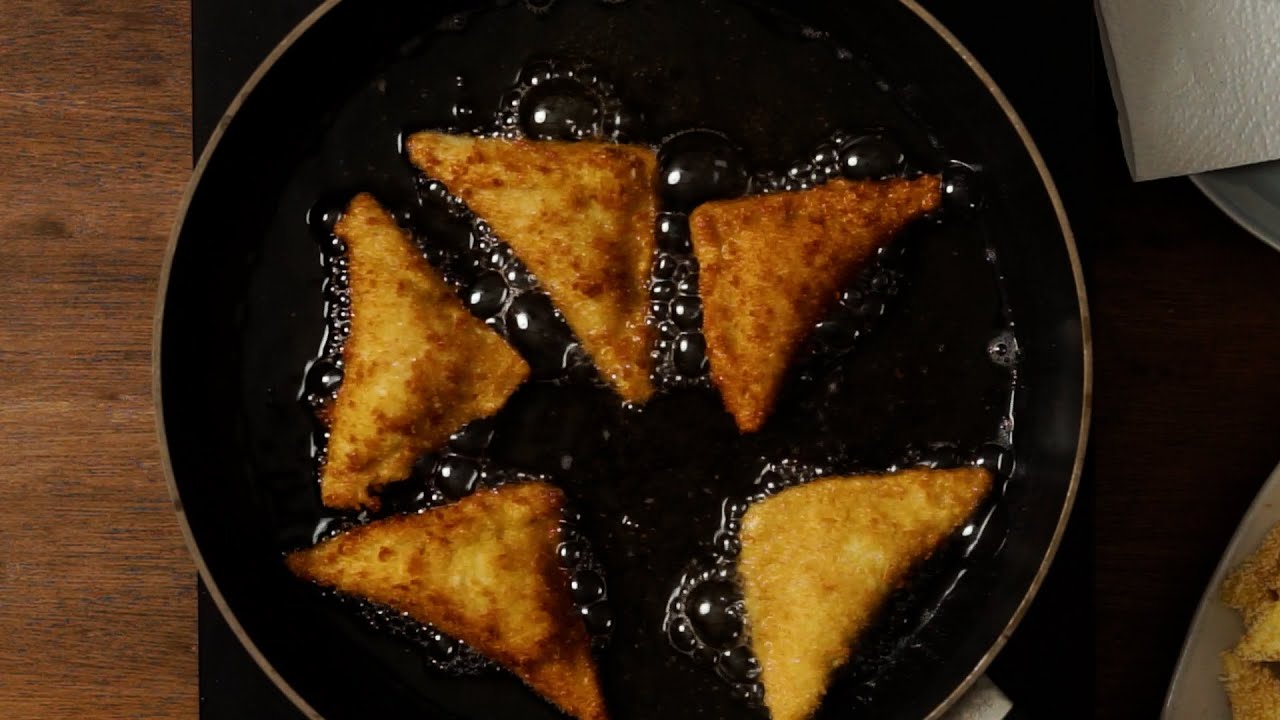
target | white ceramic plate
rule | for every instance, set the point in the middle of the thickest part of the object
(1249, 195)
(1196, 692)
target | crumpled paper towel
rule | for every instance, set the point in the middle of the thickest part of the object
(984, 701)
(1197, 82)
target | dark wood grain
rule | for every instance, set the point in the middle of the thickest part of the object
(96, 588)
(1187, 412)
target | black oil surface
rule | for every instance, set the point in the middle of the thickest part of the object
(917, 362)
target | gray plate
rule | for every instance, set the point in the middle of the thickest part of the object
(1249, 195)
(1196, 691)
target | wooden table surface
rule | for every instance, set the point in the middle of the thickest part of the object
(97, 593)
(97, 611)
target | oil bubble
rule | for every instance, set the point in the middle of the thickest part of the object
(560, 109)
(700, 165)
(673, 233)
(871, 157)
(663, 291)
(570, 553)
(440, 647)
(687, 312)
(474, 438)
(680, 634)
(488, 295)
(738, 665)
(457, 477)
(715, 610)
(598, 618)
(691, 354)
(322, 219)
(960, 192)
(997, 458)
(665, 267)
(587, 587)
(752, 694)
(1004, 351)
(324, 377)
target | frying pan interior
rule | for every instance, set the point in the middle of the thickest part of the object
(242, 315)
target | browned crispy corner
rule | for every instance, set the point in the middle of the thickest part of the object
(483, 570)
(773, 264)
(580, 216)
(819, 560)
(417, 365)
(1253, 689)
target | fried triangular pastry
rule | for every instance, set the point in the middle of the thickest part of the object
(417, 364)
(1261, 642)
(580, 215)
(819, 561)
(1252, 587)
(772, 265)
(1253, 688)
(483, 570)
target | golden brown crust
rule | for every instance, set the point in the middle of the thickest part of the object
(819, 560)
(1249, 669)
(580, 216)
(417, 365)
(1253, 689)
(1251, 587)
(1261, 641)
(771, 265)
(483, 570)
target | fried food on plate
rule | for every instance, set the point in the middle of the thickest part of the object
(1250, 669)
(417, 364)
(1252, 587)
(1261, 642)
(819, 561)
(483, 570)
(580, 215)
(772, 265)
(1253, 689)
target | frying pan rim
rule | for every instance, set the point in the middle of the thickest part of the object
(1086, 403)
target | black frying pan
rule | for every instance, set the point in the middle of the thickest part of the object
(242, 317)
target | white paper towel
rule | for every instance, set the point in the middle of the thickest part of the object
(984, 701)
(1197, 82)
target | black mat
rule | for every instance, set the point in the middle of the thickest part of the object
(1046, 67)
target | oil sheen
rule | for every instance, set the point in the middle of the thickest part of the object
(916, 363)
